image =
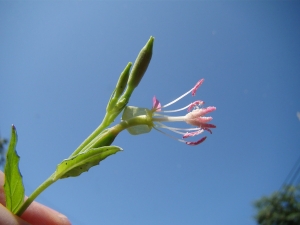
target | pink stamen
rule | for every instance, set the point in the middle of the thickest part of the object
(195, 103)
(204, 119)
(197, 86)
(192, 134)
(195, 116)
(208, 110)
(207, 125)
(207, 129)
(196, 142)
(201, 122)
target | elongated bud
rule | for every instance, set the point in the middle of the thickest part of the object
(141, 64)
(138, 70)
(120, 87)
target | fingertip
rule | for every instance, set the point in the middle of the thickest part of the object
(7, 218)
(37, 214)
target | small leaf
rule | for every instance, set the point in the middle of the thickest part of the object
(82, 162)
(132, 111)
(13, 186)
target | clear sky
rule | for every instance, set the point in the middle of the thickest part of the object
(59, 62)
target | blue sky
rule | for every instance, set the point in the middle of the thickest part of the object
(59, 62)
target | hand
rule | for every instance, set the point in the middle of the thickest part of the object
(35, 214)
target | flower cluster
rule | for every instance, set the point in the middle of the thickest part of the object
(195, 117)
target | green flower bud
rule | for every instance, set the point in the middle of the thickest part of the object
(120, 87)
(138, 70)
(141, 64)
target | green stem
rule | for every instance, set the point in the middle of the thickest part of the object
(135, 121)
(111, 132)
(93, 135)
(34, 194)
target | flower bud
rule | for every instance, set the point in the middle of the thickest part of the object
(141, 64)
(138, 70)
(120, 87)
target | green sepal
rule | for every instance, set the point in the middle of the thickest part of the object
(13, 186)
(82, 162)
(132, 111)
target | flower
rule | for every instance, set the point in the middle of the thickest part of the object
(195, 117)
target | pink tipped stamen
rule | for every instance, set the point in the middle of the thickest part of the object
(198, 122)
(204, 119)
(196, 142)
(208, 125)
(189, 106)
(208, 110)
(207, 129)
(196, 131)
(201, 112)
(192, 134)
(195, 117)
(195, 104)
(194, 89)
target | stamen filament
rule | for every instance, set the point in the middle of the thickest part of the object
(174, 128)
(195, 117)
(176, 110)
(177, 99)
(169, 135)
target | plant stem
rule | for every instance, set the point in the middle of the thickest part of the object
(95, 133)
(113, 131)
(34, 194)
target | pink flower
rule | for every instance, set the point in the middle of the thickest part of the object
(195, 117)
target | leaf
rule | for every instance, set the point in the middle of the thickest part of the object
(13, 186)
(132, 111)
(82, 162)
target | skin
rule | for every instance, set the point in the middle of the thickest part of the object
(36, 214)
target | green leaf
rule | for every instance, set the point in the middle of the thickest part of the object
(82, 162)
(13, 186)
(132, 111)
